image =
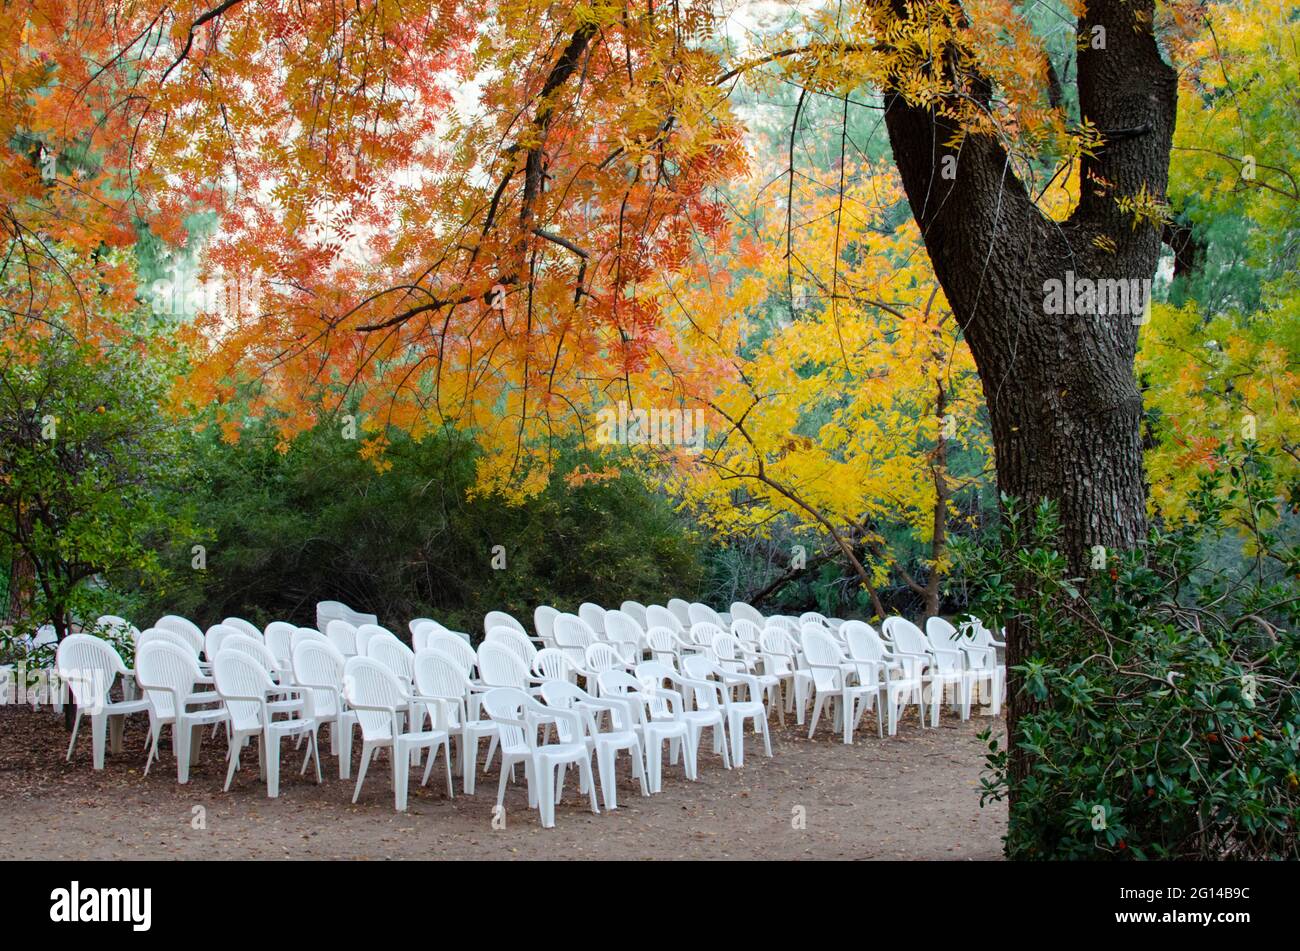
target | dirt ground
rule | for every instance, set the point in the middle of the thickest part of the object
(912, 796)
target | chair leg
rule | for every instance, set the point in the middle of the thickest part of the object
(154, 730)
(271, 750)
(584, 770)
(344, 730)
(605, 762)
(816, 713)
(401, 763)
(546, 793)
(98, 735)
(181, 739)
(232, 754)
(76, 725)
(366, 751)
(469, 760)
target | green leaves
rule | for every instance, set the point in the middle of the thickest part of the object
(1160, 693)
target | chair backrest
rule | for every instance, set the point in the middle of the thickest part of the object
(906, 636)
(159, 635)
(748, 631)
(394, 655)
(698, 612)
(343, 636)
(455, 647)
(562, 695)
(636, 611)
(703, 633)
(699, 667)
(822, 653)
(501, 619)
(88, 665)
(943, 634)
(544, 623)
(252, 647)
(243, 627)
(327, 611)
(663, 644)
(863, 641)
(214, 638)
(368, 683)
(307, 634)
(551, 663)
(499, 666)
(812, 617)
(655, 678)
(317, 664)
(594, 616)
(725, 651)
(507, 706)
(440, 675)
(183, 626)
(621, 629)
(775, 645)
(681, 610)
(279, 640)
(602, 656)
(116, 626)
(573, 636)
(517, 641)
(365, 632)
(740, 611)
(165, 670)
(240, 675)
(656, 615)
(422, 628)
(620, 683)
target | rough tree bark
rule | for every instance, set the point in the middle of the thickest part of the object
(1061, 393)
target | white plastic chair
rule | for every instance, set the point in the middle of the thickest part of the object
(654, 676)
(327, 611)
(453, 646)
(625, 633)
(89, 665)
(243, 627)
(184, 627)
(736, 710)
(442, 686)
(812, 617)
(981, 659)
(516, 640)
(830, 681)
(318, 669)
(781, 661)
(376, 695)
(551, 663)
(681, 610)
(544, 622)
(502, 619)
(667, 647)
(606, 744)
(698, 612)
(656, 718)
(637, 612)
(573, 636)
(279, 641)
(343, 636)
(167, 673)
(940, 667)
(246, 687)
(897, 685)
(499, 666)
(151, 635)
(213, 638)
(740, 611)
(115, 626)
(729, 653)
(367, 631)
(657, 615)
(515, 713)
(594, 616)
(307, 634)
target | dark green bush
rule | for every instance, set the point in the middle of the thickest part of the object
(1162, 689)
(288, 529)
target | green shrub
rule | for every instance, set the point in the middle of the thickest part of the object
(1163, 690)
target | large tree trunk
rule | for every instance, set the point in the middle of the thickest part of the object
(1061, 393)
